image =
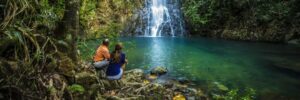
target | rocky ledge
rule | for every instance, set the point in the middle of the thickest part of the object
(135, 85)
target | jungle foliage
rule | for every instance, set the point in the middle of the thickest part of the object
(255, 20)
(106, 18)
(39, 55)
(34, 50)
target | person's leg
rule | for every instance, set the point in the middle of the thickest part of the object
(123, 69)
(116, 77)
(101, 64)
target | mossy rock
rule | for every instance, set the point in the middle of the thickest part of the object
(85, 79)
(159, 70)
(134, 75)
(66, 66)
(220, 87)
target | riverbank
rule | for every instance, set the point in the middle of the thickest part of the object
(138, 85)
(133, 86)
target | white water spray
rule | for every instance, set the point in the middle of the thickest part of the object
(160, 21)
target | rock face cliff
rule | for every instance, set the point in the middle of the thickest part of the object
(253, 20)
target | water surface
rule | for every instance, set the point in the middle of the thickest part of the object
(235, 64)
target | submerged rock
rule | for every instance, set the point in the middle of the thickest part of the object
(295, 41)
(159, 70)
(183, 80)
(220, 86)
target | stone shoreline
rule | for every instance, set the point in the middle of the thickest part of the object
(135, 85)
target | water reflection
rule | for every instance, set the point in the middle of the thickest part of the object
(156, 49)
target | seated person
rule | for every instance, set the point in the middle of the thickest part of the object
(117, 64)
(102, 56)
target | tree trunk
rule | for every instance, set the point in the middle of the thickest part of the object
(68, 28)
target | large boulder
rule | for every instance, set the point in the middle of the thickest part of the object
(159, 70)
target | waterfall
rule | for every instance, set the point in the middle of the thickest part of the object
(164, 18)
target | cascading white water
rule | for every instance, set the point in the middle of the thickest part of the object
(158, 10)
(160, 21)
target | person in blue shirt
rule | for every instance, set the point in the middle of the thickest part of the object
(117, 63)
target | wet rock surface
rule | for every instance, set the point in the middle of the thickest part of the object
(159, 70)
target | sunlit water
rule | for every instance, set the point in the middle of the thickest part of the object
(234, 64)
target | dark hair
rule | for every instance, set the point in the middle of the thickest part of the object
(105, 42)
(116, 54)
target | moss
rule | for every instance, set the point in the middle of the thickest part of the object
(75, 88)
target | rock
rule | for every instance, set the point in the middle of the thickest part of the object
(220, 86)
(134, 75)
(150, 89)
(192, 91)
(146, 81)
(85, 79)
(191, 98)
(106, 83)
(56, 85)
(168, 83)
(295, 41)
(217, 97)
(183, 80)
(151, 77)
(112, 84)
(159, 70)
(179, 96)
(95, 89)
(66, 66)
(179, 87)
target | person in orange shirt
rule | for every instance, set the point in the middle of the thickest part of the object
(102, 56)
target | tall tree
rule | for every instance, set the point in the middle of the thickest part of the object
(68, 28)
